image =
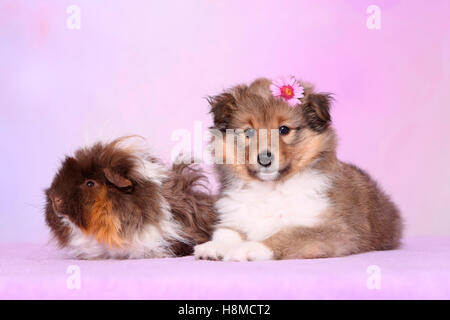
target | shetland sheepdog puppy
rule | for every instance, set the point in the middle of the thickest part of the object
(290, 197)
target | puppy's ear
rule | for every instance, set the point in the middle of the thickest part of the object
(222, 107)
(117, 179)
(316, 109)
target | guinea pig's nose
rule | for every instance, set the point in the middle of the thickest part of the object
(57, 203)
(265, 158)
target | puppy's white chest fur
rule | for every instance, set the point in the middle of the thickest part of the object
(260, 209)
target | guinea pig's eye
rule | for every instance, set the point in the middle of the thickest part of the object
(250, 132)
(90, 183)
(284, 130)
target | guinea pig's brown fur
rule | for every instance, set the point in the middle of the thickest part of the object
(114, 201)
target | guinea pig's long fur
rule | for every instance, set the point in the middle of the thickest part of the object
(304, 202)
(112, 200)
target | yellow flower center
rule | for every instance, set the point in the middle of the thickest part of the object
(287, 92)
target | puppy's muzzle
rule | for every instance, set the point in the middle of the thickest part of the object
(265, 158)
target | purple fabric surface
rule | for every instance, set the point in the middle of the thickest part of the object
(419, 270)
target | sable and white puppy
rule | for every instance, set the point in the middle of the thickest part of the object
(114, 201)
(298, 201)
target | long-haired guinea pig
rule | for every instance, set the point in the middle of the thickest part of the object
(113, 201)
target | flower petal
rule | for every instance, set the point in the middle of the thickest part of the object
(299, 94)
(275, 90)
(297, 86)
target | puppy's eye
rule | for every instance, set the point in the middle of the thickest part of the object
(284, 130)
(90, 183)
(250, 132)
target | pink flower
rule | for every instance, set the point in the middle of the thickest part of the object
(287, 89)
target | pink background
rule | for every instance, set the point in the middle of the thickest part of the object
(146, 68)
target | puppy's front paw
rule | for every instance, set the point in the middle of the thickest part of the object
(211, 250)
(249, 251)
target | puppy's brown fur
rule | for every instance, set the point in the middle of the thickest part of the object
(361, 216)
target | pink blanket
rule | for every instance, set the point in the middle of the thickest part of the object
(419, 270)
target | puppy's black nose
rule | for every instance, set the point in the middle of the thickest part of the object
(265, 158)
